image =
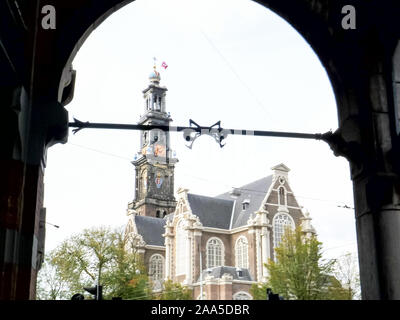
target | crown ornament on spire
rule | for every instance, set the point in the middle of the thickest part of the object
(155, 75)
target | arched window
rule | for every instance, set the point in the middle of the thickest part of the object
(215, 253)
(282, 196)
(181, 243)
(241, 253)
(156, 267)
(156, 270)
(242, 295)
(159, 103)
(143, 182)
(281, 222)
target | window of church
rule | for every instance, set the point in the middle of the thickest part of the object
(159, 103)
(245, 204)
(144, 138)
(156, 270)
(281, 222)
(282, 196)
(182, 258)
(241, 253)
(215, 253)
(143, 182)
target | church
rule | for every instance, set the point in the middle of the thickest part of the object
(218, 246)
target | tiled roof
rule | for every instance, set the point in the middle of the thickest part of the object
(255, 192)
(151, 229)
(212, 212)
(218, 272)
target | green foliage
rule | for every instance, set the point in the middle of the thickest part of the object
(96, 254)
(299, 271)
(347, 272)
(259, 291)
(50, 286)
(335, 291)
(174, 291)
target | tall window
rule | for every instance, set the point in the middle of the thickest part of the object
(181, 242)
(143, 182)
(215, 253)
(241, 253)
(281, 222)
(156, 267)
(156, 271)
(282, 196)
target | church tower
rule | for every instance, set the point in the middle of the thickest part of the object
(155, 161)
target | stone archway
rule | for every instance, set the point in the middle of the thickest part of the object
(359, 64)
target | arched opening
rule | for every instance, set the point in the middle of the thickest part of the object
(255, 86)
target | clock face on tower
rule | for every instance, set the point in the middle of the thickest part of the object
(159, 150)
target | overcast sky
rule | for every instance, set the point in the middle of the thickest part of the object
(238, 63)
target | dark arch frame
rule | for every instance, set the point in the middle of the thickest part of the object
(360, 64)
(357, 63)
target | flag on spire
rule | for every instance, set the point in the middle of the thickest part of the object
(164, 65)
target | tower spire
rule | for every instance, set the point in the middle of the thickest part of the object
(155, 162)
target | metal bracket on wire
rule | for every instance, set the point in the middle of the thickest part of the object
(191, 133)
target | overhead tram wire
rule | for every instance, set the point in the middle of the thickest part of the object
(259, 104)
(334, 202)
(101, 152)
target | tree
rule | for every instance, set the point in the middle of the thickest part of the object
(175, 291)
(347, 272)
(335, 290)
(50, 286)
(99, 255)
(259, 291)
(299, 272)
(127, 277)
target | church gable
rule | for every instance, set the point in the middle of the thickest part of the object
(281, 168)
(281, 193)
